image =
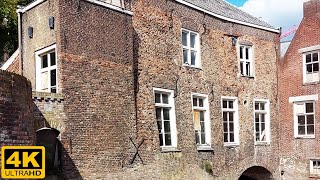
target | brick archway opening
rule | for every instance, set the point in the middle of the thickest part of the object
(256, 173)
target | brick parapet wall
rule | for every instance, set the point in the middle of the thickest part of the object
(16, 117)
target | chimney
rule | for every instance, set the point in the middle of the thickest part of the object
(311, 8)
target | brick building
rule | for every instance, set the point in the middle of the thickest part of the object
(299, 107)
(189, 85)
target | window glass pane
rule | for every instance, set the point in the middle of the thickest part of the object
(161, 139)
(165, 99)
(301, 120)
(262, 106)
(256, 106)
(44, 61)
(248, 68)
(257, 136)
(157, 98)
(241, 68)
(231, 127)
(200, 102)
(195, 102)
(166, 126)
(225, 118)
(197, 135)
(316, 67)
(53, 58)
(201, 116)
(196, 118)
(310, 119)
(53, 77)
(202, 127)
(309, 107)
(257, 117)
(158, 113)
(224, 102)
(315, 57)
(310, 129)
(230, 116)
(241, 52)
(308, 58)
(225, 137)
(44, 80)
(231, 137)
(262, 127)
(193, 40)
(184, 38)
(301, 130)
(309, 68)
(203, 138)
(230, 104)
(257, 127)
(185, 56)
(262, 117)
(168, 139)
(166, 115)
(225, 127)
(193, 57)
(247, 53)
(159, 124)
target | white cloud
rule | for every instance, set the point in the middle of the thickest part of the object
(278, 13)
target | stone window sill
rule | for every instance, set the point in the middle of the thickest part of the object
(169, 149)
(262, 144)
(204, 148)
(305, 137)
(191, 67)
(249, 77)
(47, 96)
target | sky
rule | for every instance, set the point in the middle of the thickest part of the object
(278, 13)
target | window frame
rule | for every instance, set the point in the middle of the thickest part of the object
(39, 69)
(250, 60)
(207, 123)
(304, 67)
(267, 120)
(188, 47)
(235, 118)
(296, 133)
(172, 114)
(312, 174)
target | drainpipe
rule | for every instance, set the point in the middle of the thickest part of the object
(19, 12)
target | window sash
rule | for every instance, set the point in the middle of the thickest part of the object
(244, 61)
(305, 115)
(190, 49)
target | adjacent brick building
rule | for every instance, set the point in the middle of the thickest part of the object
(191, 86)
(299, 108)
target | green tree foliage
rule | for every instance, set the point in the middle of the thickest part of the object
(9, 26)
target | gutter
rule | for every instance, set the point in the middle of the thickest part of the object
(96, 2)
(19, 12)
(226, 18)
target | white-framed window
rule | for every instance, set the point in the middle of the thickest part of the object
(191, 48)
(165, 116)
(230, 120)
(46, 70)
(201, 118)
(261, 121)
(246, 60)
(315, 167)
(311, 67)
(304, 114)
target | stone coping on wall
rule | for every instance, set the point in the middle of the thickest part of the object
(36, 95)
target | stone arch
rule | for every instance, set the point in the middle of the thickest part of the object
(256, 173)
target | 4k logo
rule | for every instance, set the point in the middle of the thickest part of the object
(20, 162)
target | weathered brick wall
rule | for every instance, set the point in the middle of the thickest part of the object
(102, 60)
(96, 59)
(296, 153)
(159, 57)
(16, 117)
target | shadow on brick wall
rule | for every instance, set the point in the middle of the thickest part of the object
(61, 164)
